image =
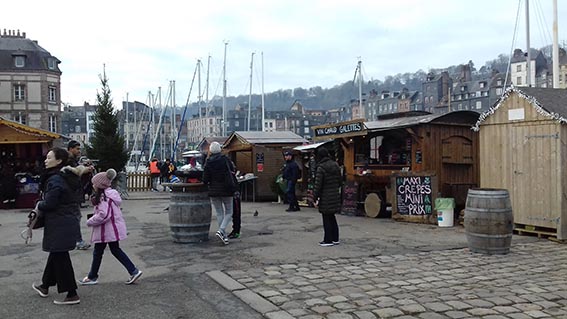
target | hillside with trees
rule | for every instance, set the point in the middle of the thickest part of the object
(342, 94)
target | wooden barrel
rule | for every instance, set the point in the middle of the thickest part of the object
(189, 212)
(489, 222)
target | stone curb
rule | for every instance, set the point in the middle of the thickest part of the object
(249, 297)
(225, 281)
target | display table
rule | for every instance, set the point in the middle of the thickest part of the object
(189, 212)
(244, 182)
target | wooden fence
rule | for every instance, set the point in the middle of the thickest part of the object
(139, 182)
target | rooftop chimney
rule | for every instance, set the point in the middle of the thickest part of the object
(12, 34)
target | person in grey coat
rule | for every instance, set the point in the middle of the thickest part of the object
(61, 196)
(327, 195)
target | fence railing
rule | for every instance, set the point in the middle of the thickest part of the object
(139, 182)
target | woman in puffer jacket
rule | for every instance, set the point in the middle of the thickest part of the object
(327, 192)
(108, 228)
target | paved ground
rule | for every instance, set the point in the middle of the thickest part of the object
(276, 270)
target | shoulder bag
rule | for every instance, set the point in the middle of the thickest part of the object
(231, 182)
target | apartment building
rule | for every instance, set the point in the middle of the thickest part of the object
(30, 82)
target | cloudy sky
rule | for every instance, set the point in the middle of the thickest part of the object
(305, 43)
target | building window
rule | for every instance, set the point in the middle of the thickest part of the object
(478, 105)
(20, 118)
(236, 124)
(19, 92)
(51, 63)
(519, 68)
(498, 91)
(19, 61)
(77, 129)
(499, 82)
(306, 130)
(482, 85)
(519, 80)
(52, 94)
(52, 123)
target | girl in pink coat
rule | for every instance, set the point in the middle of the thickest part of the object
(108, 228)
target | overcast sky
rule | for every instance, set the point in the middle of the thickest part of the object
(305, 43)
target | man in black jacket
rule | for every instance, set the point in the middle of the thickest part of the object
(74, 149)
(291, 175)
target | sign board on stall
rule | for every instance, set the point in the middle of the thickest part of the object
(350, 198)
(413, 195)
(260, 162)
(337, 130)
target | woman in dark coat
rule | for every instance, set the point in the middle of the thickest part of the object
(328, 196)
(61, 196)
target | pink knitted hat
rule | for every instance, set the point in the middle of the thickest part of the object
(103, 180)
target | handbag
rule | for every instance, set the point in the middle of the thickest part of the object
(36, 220)
(232, 182)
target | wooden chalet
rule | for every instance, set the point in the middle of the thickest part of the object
(22, 152)
(261, 154)
(405, 163)
(523, 148)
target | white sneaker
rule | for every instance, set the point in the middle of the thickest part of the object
(134, 277)
(86, 281)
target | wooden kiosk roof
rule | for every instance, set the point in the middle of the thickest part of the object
(360, 127)
(16, 133)
(262, 138)
(455, 117)
(551, 103)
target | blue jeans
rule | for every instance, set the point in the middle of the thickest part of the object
(290, 193)
(118, 253)
(223, 208)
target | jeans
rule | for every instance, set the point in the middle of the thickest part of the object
(223, 208)
(331, 228)
(290, 193)
(118, 253)
(155, 181)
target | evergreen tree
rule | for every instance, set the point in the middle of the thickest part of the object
(107, 145)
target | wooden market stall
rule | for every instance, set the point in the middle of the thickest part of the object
(523, 142)
(22, 151)
(261, 155)
(403, 164)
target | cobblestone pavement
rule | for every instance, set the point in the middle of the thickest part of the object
(529, 282)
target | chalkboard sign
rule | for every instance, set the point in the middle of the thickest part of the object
(413, 194)
(350, 198)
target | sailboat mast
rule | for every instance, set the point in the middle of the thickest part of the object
(361, 107)
(207, 86)
(200, 96)
(126, 130)
(224, 92)
(555, 55)
(263, 106)
(529, 56)
(250, 94)
(160, 129)
(173, 121)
